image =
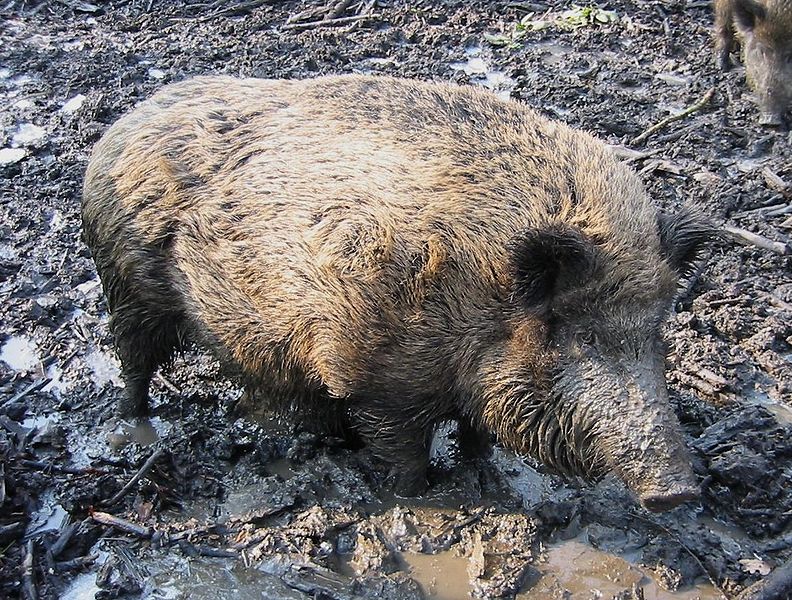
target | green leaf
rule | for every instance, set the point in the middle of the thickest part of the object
(497, 39)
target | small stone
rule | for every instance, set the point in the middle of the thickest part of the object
(9, 156)
(73, 104)
(28, 134)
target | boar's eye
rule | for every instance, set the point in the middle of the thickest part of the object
(587, 337)
(682, 237)
(546, 261)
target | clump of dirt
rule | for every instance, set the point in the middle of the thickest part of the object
(93, 507)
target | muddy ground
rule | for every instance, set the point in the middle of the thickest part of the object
(231, 507)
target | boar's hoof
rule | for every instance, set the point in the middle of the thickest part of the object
(662, 500)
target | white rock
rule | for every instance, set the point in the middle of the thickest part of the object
(156, 74)
(28, 134)
(9, 156)
(73, 104)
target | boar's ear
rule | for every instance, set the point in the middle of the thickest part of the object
(682, 237)
(748, 12)
(548, 260)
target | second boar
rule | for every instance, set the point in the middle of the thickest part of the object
(765, 27)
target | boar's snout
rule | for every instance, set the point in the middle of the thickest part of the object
(632, 428)
(659, 500)
(772, 119)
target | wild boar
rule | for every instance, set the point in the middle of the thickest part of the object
(765, 27)
(390, 254)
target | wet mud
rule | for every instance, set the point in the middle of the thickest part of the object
(201, 501)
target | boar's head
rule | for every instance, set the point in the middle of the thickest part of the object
(600, 308)
(767, 33)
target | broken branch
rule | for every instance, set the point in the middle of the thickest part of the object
(748, 238)
(122, 524)
(701, 103)
(136, 477)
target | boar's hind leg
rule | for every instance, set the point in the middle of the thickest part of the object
(145, 340)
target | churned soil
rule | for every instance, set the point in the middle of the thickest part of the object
(203, 502)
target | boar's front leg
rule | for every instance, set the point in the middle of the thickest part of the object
(724, 33)
(400, 434)
(473, 441)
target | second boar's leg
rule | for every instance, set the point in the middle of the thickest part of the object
(724, 33)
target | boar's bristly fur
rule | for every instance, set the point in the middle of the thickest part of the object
(397, 254)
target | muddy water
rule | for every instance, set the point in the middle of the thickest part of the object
(477, 67)
(442, 576)
(177, 578)
(144, 433)
(552, 52)
(575, 570)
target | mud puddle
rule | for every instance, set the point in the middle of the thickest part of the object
(477, 65)
(442, 576)
(578, 571)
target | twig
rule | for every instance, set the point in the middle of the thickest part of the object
(46, 466)
(63, 539)
(80, 6)
(33, 387)
(29, 591)
(307, 13)
(12, 530)
(168, 384)
(702, 102)
(236, 10)
(76, 563)
(764, 211)
(685, 547)
(137, 477)
(630, 155)
(778, 211)
(747, 238)
(217, 552)
(776, 183)
(122, 524)
(327, 22)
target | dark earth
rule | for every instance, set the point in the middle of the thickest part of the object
(208, 501)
